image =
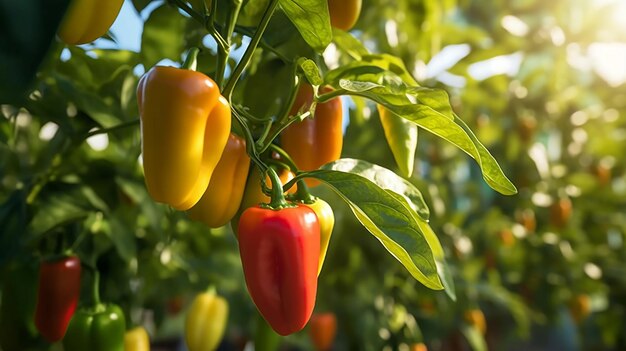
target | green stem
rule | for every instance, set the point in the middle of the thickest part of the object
(224, 50)
(112, 129)
(280, 129)
(295, 179)
(303, 194)
(188, 10)
(277, 201)
(250, 147)
(265, 339)
(285, 156)
(254, 43)
(96, 286)
(191, 62)
(329, 96)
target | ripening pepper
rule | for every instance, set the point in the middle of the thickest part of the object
(326, 218)
(220, 202)
(185, 124)
(87, 20)
(322, 330)
(57, 297)
(99, 328)
(206, 322)
(401, 136)
(253, 194)
(314, 141)
(136, 339)
(344, 13)
(17, 309)
(279, 251)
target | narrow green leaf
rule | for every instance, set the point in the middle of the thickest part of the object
(388, 219)
(349, 44)
(474, 338)
(385, 179)
(312, 20)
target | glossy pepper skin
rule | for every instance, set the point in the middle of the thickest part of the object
(17, 309)
(314, 141)
(253, 194)
(87, 20)
(220, 202)
(100, 328)
(206, 322)
(279, 252)
(322, 330)
(344, 13)
(136, 339)
(326, 218)
(401, 136)
(185, 124)
(57, 297)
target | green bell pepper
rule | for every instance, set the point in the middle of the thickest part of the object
(100, 328)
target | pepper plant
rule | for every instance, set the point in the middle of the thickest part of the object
(282, 98)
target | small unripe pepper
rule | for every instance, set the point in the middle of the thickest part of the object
(57, 298)
(401, 136)
(185, 124)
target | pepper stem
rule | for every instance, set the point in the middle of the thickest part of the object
(191, 62)
(278, 198)
(303, 194)
(96, 287)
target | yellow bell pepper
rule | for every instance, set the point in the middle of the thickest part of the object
(220, 202)
(206, 322)
(185, 124)
(87, 20)
(326, 218)
(136, 339)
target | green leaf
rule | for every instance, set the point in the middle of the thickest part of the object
(474, 338)
(347, 43)
(430, 110)
(123, 239)
(163, 36)
(385, 179)
(442, 266)
(141, 4)
(252, 12)
(311, 71)
(312, 20)
(100, 110)
(388, 219)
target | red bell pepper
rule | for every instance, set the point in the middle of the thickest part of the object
(279, 245)
(59, 289)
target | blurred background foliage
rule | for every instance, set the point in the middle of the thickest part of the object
(541, 83)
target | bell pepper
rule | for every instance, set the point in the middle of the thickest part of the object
(136, 339)
(17, 309)
(253, 194)
(322, 330)
(401, 136)
(100, 328)
(314, 141)
(476, 318)
(326, 218)
(206, 322)
(87, 20)
(185, 124)
(220, 202)
(344, 13)
(279, 245)
(57, 297)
